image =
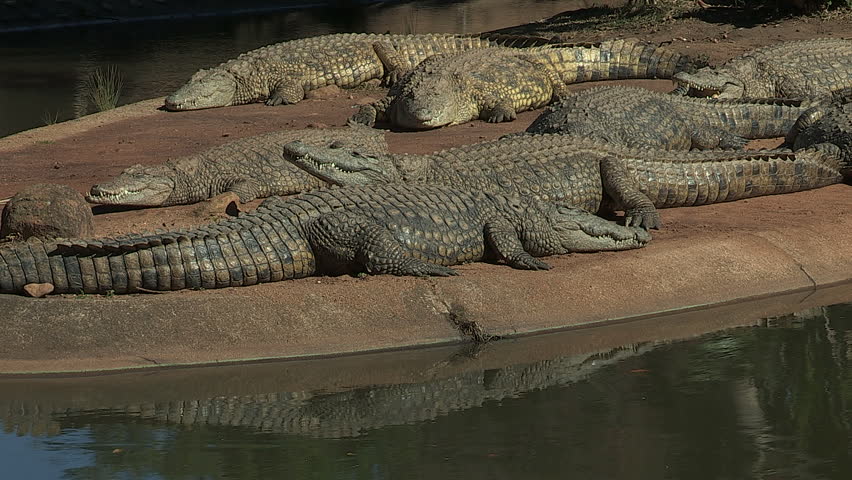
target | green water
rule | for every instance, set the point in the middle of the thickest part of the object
(769, 401)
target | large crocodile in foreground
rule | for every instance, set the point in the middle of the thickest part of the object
(794, 69)
(642, 118)
(497, 83)
(283, 72)
(392, 229)
(585, 172)
(250, 167)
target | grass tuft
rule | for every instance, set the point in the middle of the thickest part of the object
(102, 88)
(49, 118)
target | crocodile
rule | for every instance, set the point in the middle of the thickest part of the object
(642, 118)
(497, 83)
(831, 124)
(585, 173)
(395, 229)
(793, 69)
(281, 73)
(250, 167)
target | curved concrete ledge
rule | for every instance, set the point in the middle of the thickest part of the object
(703, 256)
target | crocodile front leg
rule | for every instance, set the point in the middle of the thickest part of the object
(286, 91)
(639, 210)
(351, 238)
(496, 110)
(503, 240)
(370, 114)
(246, 188)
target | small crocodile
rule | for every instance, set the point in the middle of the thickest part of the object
(393, 229)
(831, 124)
(793, 69)
(585, 173)
(497, 83)
(281, 73)
(638, 117)
(250, 167)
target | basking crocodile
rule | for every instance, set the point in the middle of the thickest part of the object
(283, 72)
(497, 83)
(642, 118)
(394, 229)
(794, 69)
(585, 173)
(832, 124)
(250, 167)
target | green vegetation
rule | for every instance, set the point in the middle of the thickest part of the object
(101, 89)
(49, 118)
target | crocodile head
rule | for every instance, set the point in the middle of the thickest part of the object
(577, 230)
(709, 82)
(440, 101)
(341, 166)
(206, 89)
(137, 186)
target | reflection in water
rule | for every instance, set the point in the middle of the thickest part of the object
(42, 70)
(773, 401)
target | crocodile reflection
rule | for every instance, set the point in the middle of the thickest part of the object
(330, 415)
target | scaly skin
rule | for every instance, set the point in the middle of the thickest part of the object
(497, 83)
(637, 117)
(393, 229)
(250, 167)
(583, 172)
(282, 73)
(827, 125)
(795, 69)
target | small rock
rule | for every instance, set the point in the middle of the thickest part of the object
(38, 290)
(48, 211)
(316, 125)
(224, 204)
(324, 93)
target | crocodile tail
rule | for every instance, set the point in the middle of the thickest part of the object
(704, 183)
(755, 117)
(612, 60)
(516, 41)
(239, 252)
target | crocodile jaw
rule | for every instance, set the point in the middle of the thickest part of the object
(580, 231)
(708, 83)
(206, 89)
(134, 187)
(336, 166)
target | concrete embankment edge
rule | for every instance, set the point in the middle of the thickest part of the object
(343, 315)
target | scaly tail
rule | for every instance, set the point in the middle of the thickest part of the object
(614, 60)
(670, 184)
(248, 250)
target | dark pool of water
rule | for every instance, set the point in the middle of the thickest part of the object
(41, 72)
(772, 401)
